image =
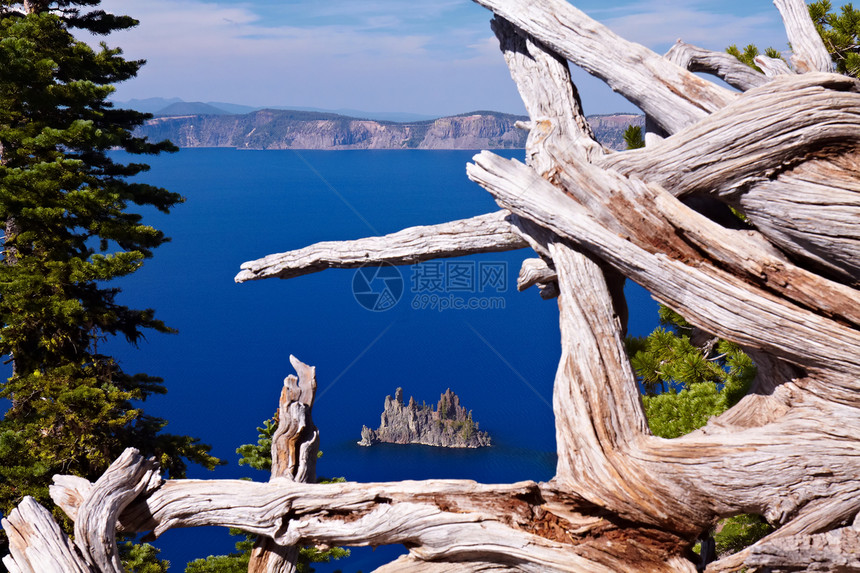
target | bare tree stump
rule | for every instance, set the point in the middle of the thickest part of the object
(294, 457)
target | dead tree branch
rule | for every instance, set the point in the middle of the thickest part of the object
(721, 64)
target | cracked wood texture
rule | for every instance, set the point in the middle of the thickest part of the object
(810, 55)
(37, 544)
(785, 153)
(482, 234)
(295, 444)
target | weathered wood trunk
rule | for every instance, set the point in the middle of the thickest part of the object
(294, 458)
(784, 151)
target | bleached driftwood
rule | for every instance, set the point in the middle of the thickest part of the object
(535, 272)
(785, 153)
(95, 519)
(810, 54)
(441, 518)
(645, 78)
(721, 64)
(37, 544)
(295, 445)
(482, 234)
(656, 255)
(773, 66)
(837, 550)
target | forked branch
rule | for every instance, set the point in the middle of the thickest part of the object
(656, 259)
(666, 92)
(721, 64)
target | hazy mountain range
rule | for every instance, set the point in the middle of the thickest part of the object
(217, 124)
(160, 106)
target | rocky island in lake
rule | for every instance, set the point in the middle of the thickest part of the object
(449, 425)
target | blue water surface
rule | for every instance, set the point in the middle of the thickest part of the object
(224, 369)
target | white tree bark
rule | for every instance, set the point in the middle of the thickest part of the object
(535, 272)
(837, 550)
(37, 544)
(773, 66)
(524, 526)
(810, 55)
(655, 256)
(776, 155)
(645, 78)
(482, 234)
(785, 153)
(95, 519)
(295, 444)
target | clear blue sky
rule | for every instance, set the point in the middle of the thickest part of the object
(422, 56)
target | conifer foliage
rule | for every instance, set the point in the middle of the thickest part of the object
(749, 53)
(841, 34)
(686, 375)
(70, 228)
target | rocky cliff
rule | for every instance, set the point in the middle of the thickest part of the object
(280, 129)
(448, 425)
(609, 129)
(287, 129)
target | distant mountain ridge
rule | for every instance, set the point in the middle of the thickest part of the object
(160, 107)
(182, 123)
(181, 108)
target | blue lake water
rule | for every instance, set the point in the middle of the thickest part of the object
(224, 369)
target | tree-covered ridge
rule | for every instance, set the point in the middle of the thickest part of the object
(71, 227)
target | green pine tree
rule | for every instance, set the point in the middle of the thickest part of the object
(70, 229)
(633, 137)
(142, 558)
(841, 34)
(685, 383)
